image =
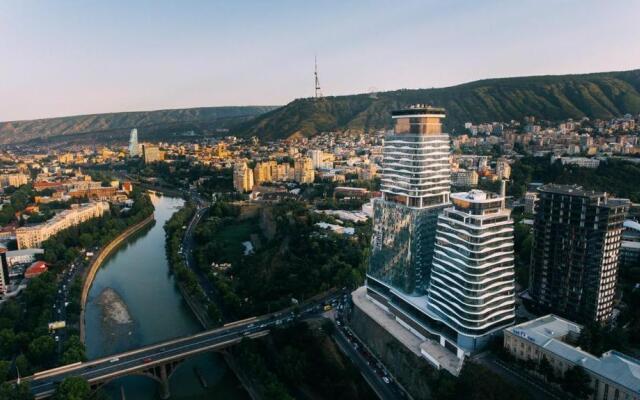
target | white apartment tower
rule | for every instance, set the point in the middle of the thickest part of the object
(472, 277)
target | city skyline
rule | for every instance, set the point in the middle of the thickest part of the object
(110, 58)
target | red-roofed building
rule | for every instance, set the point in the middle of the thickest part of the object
(42, 185)
(37, 268)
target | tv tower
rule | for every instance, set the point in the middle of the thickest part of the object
(318, 93)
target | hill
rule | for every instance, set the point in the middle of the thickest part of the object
(553, 97)
(116, 126)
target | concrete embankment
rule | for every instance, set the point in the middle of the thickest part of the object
(100, 258)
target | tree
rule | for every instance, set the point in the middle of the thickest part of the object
(15, 392)
(22, 366)
(42, 350)
(74, 351)
(4, 370)
(73, 388)
(577, 382)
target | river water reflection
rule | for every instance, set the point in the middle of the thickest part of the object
(134, 302)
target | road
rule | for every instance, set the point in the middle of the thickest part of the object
(44, 383)
(372, 369)
(75, 269)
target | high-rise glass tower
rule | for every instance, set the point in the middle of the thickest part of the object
(134, 147)
(415, 188)
(445, 273)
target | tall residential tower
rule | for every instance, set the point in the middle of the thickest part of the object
(445, 272)
(575, 251)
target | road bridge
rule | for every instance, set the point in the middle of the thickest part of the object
(160, 360)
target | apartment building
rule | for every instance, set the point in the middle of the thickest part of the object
(33, 236)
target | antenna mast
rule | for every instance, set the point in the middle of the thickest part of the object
(318, 94)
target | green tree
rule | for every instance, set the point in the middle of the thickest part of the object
(15, 392)
(22, 366)
(73, 388)
(4, 370)
(577, 382)
(74, 351)
(42, 350)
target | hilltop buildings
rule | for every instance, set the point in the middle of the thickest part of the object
(574, 258)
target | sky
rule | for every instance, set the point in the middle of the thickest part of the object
(62, 57)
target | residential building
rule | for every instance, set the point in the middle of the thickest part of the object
(503, 169)
(15, 180)
(530, 199)
(415, 187)
(242, 177)
(264, 172)
(464, 178)
(575, 251)
(317, 158)
(472, 281)
(303, 170)
(33, 236)
(151, 153)
(613, 376)
(583, 162)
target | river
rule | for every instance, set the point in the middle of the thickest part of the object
(134, 302)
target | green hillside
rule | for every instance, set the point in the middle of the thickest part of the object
(99, 127)
(600, 95)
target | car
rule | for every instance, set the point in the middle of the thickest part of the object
(147, 360)
(386, 380)
(114, 359)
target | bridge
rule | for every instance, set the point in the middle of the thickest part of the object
(159, 361)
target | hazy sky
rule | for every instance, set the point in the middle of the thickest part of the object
(76, 57)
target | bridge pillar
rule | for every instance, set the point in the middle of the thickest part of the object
(165, 389)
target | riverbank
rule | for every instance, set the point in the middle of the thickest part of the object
(97, 263)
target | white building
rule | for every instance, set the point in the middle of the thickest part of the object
(472, 279)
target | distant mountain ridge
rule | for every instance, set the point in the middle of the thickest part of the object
(115, 125)
(550, 97)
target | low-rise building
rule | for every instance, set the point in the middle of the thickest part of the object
(530, 199)
(464, 178)
(613, 375)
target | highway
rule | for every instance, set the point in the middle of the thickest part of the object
(102, 370)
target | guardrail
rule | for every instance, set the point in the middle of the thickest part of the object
(97, 263)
